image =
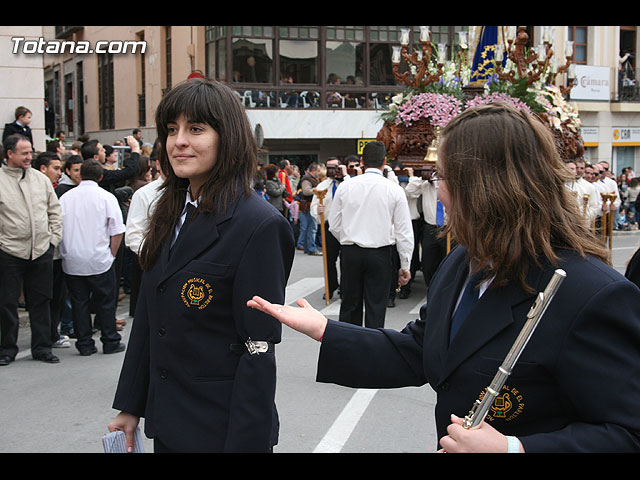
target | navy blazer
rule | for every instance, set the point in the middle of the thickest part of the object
(575, 387)
(197, 392)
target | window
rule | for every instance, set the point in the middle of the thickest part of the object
(380, 51)
(579, 37)
(167, 57)
(105, 91)
(298, 61)
(345, 68)
(252, 60)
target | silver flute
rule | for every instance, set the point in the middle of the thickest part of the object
(482, 405)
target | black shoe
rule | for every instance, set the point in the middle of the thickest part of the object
(85, 352)
(404, 293)
(47, 358)
(324, 296)
(5, 360)
(118, 348)
(391, 303)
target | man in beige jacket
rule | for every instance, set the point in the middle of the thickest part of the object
(30, 229)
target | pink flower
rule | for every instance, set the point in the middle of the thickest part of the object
(438, 108)
(498, 97)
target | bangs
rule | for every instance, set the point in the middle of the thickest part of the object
(193, 100)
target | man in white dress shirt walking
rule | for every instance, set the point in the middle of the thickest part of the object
(370, 214)
(91, 235)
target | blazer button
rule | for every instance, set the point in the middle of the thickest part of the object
(162, 288)
(164, 374)
(161, 331)
(445, 387)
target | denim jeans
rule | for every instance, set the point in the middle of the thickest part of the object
(308, 228)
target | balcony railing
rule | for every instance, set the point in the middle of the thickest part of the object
(310, 98)
(628, 87)
(64, 32)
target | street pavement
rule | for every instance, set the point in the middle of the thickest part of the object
(66, 407)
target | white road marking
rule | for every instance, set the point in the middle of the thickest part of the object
(302, 288)
(335, 439)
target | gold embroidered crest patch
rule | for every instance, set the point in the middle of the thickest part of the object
(196, 292)
(507, 406)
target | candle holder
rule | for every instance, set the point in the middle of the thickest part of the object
(420, 59)
(538, 64)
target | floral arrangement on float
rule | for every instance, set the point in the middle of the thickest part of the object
(437, 90)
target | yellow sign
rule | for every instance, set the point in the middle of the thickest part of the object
(362, 142)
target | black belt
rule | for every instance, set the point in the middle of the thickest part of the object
(253, 347)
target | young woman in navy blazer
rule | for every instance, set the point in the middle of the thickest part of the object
(200, 366)
(576, 385)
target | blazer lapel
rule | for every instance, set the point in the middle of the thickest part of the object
(443, 306)
(491, 315)
(201, 234)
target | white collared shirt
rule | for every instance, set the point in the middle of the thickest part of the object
(90, 217)
(183, 216)
(371, 211)
(417, 187)
(326, 184)
(140, 211)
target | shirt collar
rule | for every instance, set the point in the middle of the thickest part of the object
(373, 170)
(188, 199)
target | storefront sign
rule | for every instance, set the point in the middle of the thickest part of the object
(362, 142)
(592, 83)
(625, 136)
(590, 136)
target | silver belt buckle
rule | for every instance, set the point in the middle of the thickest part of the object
(258, 347)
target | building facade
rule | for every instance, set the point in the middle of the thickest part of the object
(312, 91)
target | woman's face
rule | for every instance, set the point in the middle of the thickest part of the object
(192, 149)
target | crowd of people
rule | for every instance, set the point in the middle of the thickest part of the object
(62, 254)
(599, 192)
(306, 199)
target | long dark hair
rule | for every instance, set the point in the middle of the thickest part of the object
(203, 101)
(509, 202)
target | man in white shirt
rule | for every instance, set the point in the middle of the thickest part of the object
(92, 232)
(140, 211)
(609, 181)
(336, 174)
(594, 206)
(583, 189)
(368, 215)
(434, 248)
(605, 185)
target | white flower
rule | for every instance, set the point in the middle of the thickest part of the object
(397, 99)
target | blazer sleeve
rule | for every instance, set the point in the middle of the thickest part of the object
(360, 357)
(127, 172)
(263, 270)
(133, 384)
(597, 368)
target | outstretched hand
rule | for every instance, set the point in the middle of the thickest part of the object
(304, 319)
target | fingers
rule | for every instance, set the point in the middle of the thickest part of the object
(455, 419)
(129, 440)
(302, 302)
